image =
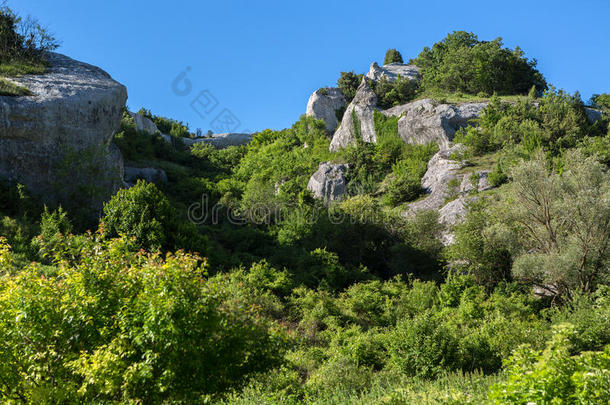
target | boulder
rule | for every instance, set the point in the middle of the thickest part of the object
(58, 141)
(593, 115)
(391, 71)
(449, 190)
(328, 182)
(324, 104)
(425, 121)
(144, 124)
(149, 174)
(358, 113)
(451, 214)
(441, 174)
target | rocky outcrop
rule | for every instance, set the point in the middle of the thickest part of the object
(358, 119)
(57, 142)
(149, 174)
(425, 121)
(593, 115)
(328, 182)
(391, 71)
(144, 124)
(449, 190)
(324, 104)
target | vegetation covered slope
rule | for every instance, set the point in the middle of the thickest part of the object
(289, 300)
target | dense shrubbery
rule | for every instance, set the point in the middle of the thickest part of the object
(298, 301)
(348, 84)
(397, 92)
(392, 56)
(462, 63)
(113, 326)
(23, 43)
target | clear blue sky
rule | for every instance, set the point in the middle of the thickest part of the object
(262, 59)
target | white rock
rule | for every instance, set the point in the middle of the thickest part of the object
(324, 104)
(425, 121)
(144, 124)
(57, 142)
(391, 71)
(328, 182)
(361, 107)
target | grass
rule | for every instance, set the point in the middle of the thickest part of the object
(20, 67)
(487, 161)
(8, 88)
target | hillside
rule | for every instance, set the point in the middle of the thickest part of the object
(435, 232)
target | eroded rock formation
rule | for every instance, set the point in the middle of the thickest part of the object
(58, 141)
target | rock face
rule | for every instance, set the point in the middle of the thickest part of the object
(593, 115)
(57, 142)
(324, 104)
(392, 70)
(424, 121)
(358, 119)
(149, 174)
(144, 124)
(328, 182)
(443, 181)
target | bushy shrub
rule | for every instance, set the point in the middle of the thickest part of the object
(141, 212)
(601, 101)
(553, 376)
(23, 43)
(348, 84)
(116, 327)
(462, 63)
(392, 56)
(397, 92)
(423, 346)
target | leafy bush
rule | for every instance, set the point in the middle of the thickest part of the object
(141, 212)
(392, 56)
(601, 101)
(116, 327)
(348, 84)
(422, 346)
(397, 92)
(23, 43)
(462, 63)
(553, 376)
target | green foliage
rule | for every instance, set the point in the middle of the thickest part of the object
(601, 101)
(397, 92)
(117, 327)
(167, 125)
(422, 346)
(392, 56)
(553, 122)
(141, 212)
(462, 63)
(553, 376)
(8, 88)
(563, 220)
(348, 84)
(23, 43)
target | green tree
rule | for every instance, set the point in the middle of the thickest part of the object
(348, 84)
(392, 56)
(564, 222)
(462, 63)
(141, 212)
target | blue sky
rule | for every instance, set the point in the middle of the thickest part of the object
(260, 60)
